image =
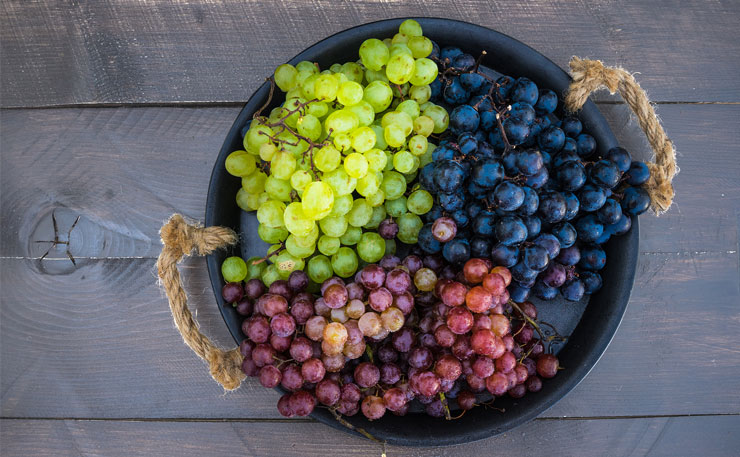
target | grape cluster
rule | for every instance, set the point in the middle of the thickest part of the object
(515, 183)
(406, 329)
(325, 168)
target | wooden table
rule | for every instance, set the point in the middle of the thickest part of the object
(113, 112)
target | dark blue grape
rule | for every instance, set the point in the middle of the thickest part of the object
(585, 144)
(508, 196)
(605, 235)
(591, 197)
(538, 180)
(546, 159)
(480, 247)
(504, 85)
(487, 173)
(572, 290)
(427, 242)
(622, 226)
(468, 143)
(552, 207)
(531, 202)
(436, 86)
(485, 150)
(435, 50)
(536, 257)
(449, 53)
(534, 225)
(443, 153)
(525, 91)
(571, 126)
(475, 190)
(523, 274)
(426, 178)
(510, 230)
(569, 256)
(495, 138)
(572, 204)
(571, 176)
(505, 256)
(523, 111)
(635, 201)
(547, 101)
(461, 218)
(638, 173)
(529, 162)
(433, 214)
(483, 224)
(539, 124)
(464, 118)
(565, 233)
(488, 121)
(508, 160)
(554, 275)
(481, 103)
(464, 62)
(551, 139)
(454, 93)
(543, 291)
(591, 281)
(472, 81)
(592, 258)
(570, 146)
(516, 130)
(621, 158)
(610, 213)
(589, 228)
(448, 176)
(604, 173)
(451, 202)
(518, 293)
(473, 208)
(550, 243)
(456, 251)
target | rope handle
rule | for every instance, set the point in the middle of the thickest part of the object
(590, 76)
(180, 239)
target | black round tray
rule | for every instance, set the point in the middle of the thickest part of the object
(591, 323)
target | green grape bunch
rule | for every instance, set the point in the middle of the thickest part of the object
(340, 156)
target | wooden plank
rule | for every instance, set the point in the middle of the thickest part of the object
(706, 436)
(125, 170)
(72, 342)
(132, 52)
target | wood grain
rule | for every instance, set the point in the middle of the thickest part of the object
(72, 342)
(125, 170)
(59, 53)
(664, 436)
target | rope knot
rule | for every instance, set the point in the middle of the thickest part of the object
(225, 367)
(182, 237)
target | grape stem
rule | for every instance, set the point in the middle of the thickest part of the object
(533, 323)
(275, 252)
(359, 430)
(269, 98)
(443, 399)
(369, 353)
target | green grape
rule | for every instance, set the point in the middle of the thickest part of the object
(411, 176)
(326, 87)
(390, 247)
(328, 245)
(409, 225)
(427, 157)
(318, 109)
(267, 151)
(376, 199)
(355, 165)
(394, 185)
(287, 264)
(319, 269)
(239, 163)
(344, 262)
(400, 68)
(327, 158)
(403, 161)
(234, 269)
(387, 42)
(305, 65)
(318, 199)
(400, 119)
(275, 114)
(439, 116)
(400, 38)
(420, 46)
(254, 268)
(378, 215)
(335, 68)
(376, 160)
(364, 111)
(410, 27)
(342, 142)
(295, 249)
(310, 239)
(388, 161)
(334, 226)
(353, 72)
(340, 182)
(371, 247)
(299, 180)
(296, 221)
(257, 135)
(368, 184)
(283, 165)
(409, 107)
(379, 95)
(341, 121)
(420, 201)
(425, 71)
(394, 135)
(363, 139)
(351, 236)
(278, 189)
(254, 201)
(291, 111)
(296, 91)
(420, 94)
(418, 145)
(372, 75)
(400, 91)
(400, 48)
(255, 182)
(271, 213)
(309, 126)
(423, 125)
(360, 213)
(397, 207)
(350, 93)
(269, 275)
(308, 87)
(243, 200)
(380, 142)
(291, 144)
(342, 205)
(285, 77)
